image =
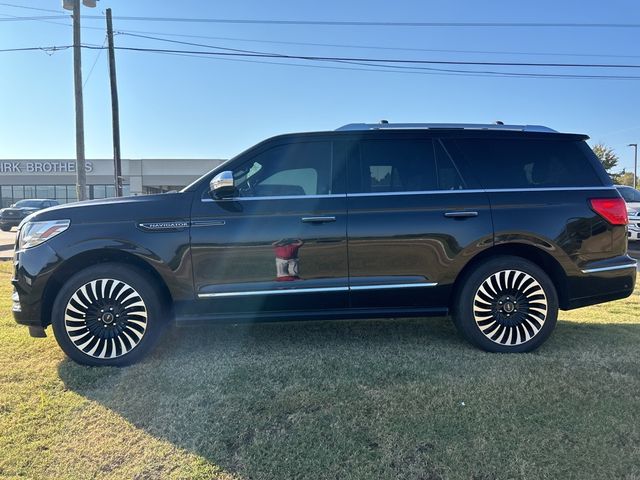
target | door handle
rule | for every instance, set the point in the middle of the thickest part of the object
(318, 219)
(461, 214)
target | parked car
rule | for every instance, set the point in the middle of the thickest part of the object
(13, 215)
(632, 198)
(498, 225)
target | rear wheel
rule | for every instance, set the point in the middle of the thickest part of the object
(107, 314)
(5, 229)
(506, 304)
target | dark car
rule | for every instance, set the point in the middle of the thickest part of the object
(499, 226)
(13, 215)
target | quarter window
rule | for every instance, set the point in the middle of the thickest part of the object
(527, 163)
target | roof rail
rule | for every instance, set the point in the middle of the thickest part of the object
(444, 126)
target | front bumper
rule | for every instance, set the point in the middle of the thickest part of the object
(10, 222)
(633, 232)
(32, 270)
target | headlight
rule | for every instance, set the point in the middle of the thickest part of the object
(35, 233)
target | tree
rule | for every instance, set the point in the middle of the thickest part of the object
(606, 155)
(623, 178)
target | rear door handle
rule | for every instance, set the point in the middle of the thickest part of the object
(318, 219)
(463, 214)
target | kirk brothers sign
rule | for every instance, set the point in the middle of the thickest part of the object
(21, 167)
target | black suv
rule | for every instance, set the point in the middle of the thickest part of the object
(13, 215)
(499, 226)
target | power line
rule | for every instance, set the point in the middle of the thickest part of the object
(28, 8)
(412, 70)
(94, 63)
(376, 24)
(377, 60)
(378, 47)
(31, 49)
(41, 17)
(334, 45)
(387, 68)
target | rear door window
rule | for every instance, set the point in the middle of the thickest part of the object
(527, 163)
(394, 165)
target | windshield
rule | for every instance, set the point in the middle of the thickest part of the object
(629, 194)
(29, 204)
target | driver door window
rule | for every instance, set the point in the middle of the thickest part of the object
(296, 169)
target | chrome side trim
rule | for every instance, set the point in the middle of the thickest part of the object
(207, 223)
(313, 290)
(272, 292)
(608, 269)
(478, 190)
(389, 286)
(275, 197)
(550, 189)
(415, 192)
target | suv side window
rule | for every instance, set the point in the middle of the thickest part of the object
(526, 162)
(394, 165)
(286, 170)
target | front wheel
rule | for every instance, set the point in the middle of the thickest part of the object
(107, 314)
(507, 304)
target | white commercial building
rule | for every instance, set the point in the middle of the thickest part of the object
(56, 179)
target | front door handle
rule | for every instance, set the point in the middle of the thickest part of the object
(318, 219)
(461, 214)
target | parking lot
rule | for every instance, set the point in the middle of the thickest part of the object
(7, 241)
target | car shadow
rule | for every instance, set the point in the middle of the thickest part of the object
(260, 400)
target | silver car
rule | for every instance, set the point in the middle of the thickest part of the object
(632, 198)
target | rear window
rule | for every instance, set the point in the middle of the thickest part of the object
(527, 163)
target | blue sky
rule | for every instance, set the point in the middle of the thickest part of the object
(186, 107)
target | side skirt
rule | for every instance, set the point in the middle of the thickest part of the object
(338, 314)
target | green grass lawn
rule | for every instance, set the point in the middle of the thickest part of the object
(340, 400)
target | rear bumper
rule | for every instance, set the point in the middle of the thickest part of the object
(602, 282)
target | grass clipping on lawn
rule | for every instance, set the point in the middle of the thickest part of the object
(341, 400)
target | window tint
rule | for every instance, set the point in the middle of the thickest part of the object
(395, 166)
(292, 169)
(527, 163)
(448, 175)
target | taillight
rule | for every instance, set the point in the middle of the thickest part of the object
(613, 210)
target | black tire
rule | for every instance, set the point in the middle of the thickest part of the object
(506, 304)
(5, 229)
(108, 314)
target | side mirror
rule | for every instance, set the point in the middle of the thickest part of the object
(222, 185)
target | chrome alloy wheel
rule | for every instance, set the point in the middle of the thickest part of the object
(105, 318)
(510, 307)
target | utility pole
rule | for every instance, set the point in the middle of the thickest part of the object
(115, 110)
(81, 172)
(635, 164)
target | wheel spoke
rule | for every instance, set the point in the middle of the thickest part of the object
(105, 318)
(510, 307)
